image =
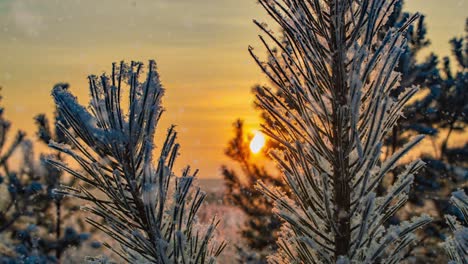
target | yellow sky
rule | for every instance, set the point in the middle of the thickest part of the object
(200, 47)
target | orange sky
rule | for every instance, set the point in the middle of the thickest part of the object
(199, 45)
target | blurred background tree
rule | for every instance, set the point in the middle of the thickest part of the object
(261, 226)
(441, 114)
(36, 224)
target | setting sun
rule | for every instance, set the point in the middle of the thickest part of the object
(257, 143)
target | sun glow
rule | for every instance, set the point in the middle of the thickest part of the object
(257, 142)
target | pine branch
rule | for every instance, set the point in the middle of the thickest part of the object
(335, 74)
(146, 209)
(456, 245)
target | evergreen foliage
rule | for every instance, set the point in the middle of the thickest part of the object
(342, 74)
(336, 76)
(457, 245)
(32, 215)
(438, 114)
(445, 111)
(423, 73)
(261, 228)
(145, 208)
(16, 204)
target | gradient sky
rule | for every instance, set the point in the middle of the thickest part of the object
(200, 47)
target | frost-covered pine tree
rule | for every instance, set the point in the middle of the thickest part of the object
(456, 246)
(141, 204)
(335, 75)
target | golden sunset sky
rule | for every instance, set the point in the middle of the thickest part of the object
(200, 47)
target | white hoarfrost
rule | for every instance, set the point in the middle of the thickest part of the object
(456, 245)
(333, 71)
(139, 201)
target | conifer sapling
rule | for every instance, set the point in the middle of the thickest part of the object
(145, 208)
(336, 75)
